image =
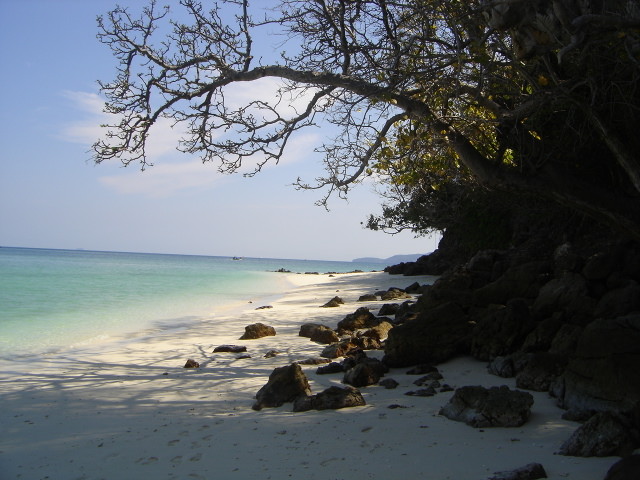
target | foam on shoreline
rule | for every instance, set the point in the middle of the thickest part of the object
(128, 410)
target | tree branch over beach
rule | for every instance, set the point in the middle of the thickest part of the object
(525, 97)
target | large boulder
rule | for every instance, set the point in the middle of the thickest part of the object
(480, 407)
(379, 332)
(365, 373)
(285, 385)
(257, 330)
(318, 333)
(603, 435)
(332, 398)
(604, 372)
(501, 330)
(433, 337)
(361, 318)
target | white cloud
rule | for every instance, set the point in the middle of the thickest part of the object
(165, 179)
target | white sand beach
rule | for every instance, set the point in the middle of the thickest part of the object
(127, 409)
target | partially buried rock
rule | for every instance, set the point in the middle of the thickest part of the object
(388, 383)
(339, 349)
(313, 361)
(230, 348)
(332, 398)
(531, 471)
(334, 302)
(333, 367)
(285, 385)
(272, 353)
(480, 407)
(191, 363)
(364, 374)
(324, 335)
(361, 318)
(394, 294)
(257, 330)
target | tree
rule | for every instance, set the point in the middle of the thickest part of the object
(540, 97)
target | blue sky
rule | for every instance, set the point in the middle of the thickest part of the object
(53, 196)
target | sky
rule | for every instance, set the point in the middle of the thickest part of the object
(53, 196)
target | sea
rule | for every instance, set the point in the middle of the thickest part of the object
(52, 300)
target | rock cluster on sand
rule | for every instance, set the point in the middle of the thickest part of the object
(564, 321)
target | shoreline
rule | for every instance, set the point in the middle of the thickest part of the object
(129, 410)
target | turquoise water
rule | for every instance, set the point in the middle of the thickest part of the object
(56, 299)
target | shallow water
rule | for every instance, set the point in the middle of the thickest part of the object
(56, 299)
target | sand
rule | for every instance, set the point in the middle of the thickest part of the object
(126, 409)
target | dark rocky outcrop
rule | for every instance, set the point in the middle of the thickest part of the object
(333, 367)
(257, 330)
(603, 435)
(434, 336)
(531, 471)
(604, 372)
(230, 348)
(285, 385)
(389, 309)
(494, 407)
(501, 330)
(332, 398)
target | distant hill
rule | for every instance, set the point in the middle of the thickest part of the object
(391, 260)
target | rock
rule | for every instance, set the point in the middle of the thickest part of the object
(541, 337)
(313, 361)
(494, 407)
(388, 383)
(501, 330)
(602, 264)
(285, 385)
(243, 356)
(434, 336)
(568, 294)
(332, 398)
(429, 378)
(626, 469)
(389, 309)
(423, 392)
(603, 435)
(318, 333)
(502, 367)
(541, 371)
(339, 349)
(604, 372)
(361, 318)
(334, 302)
(415, 287)
(380, 331)
(264, 307)
(191, 363)
(521, 281)
(230, 348)
(257, 330)
(423, 368)
(619, 301)
(272, 353)
(394, 294)
(369, 297)
(364, 374)
(566, 339)
(333, 367)
(531, 471)
(307, 329)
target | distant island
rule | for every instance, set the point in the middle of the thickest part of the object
(391, 260)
